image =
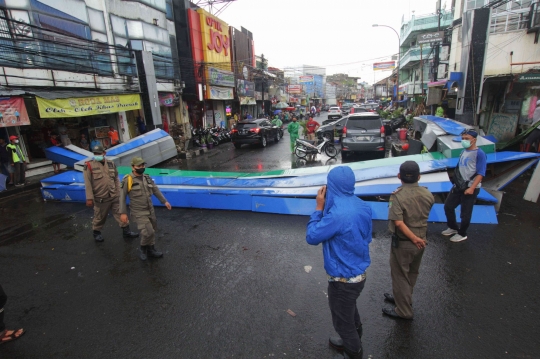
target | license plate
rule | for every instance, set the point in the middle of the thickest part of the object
(363, 138)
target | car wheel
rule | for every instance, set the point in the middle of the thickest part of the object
(263, 141)
(237, 145)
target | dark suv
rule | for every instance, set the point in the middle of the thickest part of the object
(254, 131)
(363, 132)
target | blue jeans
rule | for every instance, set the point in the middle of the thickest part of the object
(342, 301)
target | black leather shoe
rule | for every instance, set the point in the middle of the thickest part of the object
(389, 297)
(336, 343)
(98, 237)
(129, 234)
(151, 251)
(142, 253)
(348, 354)
(392, 313)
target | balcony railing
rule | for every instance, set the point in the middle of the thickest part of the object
(413, 54)
(424, 23)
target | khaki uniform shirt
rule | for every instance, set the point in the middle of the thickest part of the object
(140, 196)
(411, 204)
(101, 180)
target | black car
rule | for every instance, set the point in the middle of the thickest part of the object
(255, 132)
(328, 127)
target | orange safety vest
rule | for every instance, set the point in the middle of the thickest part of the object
(113, 135)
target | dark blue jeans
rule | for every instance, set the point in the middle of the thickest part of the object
(454, 199)
(342, 300)
(3, 300)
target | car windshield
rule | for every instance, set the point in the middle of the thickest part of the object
(246, 125)
(334, 108)
(364, 123)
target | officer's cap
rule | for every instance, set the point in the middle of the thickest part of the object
(98, 149)
(409, 171)
(137, 161)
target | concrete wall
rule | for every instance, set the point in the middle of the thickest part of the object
(502, 44)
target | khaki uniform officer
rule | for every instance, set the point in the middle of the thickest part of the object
(408, 212)
(102, 192)
(140, 188)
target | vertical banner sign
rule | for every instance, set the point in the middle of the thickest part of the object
(13, 112)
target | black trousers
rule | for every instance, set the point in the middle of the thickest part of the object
(3, 300)
(342, 300)
(20, 175)
(454, 199)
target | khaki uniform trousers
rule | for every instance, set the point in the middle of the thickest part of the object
(147, 226)
(404, 264)
(102, 207)
(311, 136)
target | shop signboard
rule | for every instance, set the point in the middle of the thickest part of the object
(430, 37)
(220, 93)
(166, 100)
(220, 77)
(532, 77)
(13, 112)
(215, 40)
(295, 89)
(87, 106)
(245, 88)
(306, 79)
(382, 66)
(247, 101)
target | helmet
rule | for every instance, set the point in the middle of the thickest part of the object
(98, 149)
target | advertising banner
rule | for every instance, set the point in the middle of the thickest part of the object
(306, 79)
(166, 100)
(430, 37)
(245, 88)
(295, 89)
(220, 77)
(87, 106)
(247, 101)
(220, 93)
(381, 66)
(215, 39)
(13, 112)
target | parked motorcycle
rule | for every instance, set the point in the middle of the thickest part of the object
(304, 148)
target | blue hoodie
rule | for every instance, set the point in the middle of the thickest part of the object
(343, 228)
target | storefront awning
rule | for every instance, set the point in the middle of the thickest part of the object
(61, 94)
(437, 83)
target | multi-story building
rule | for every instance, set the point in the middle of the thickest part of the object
(496, 59)
(415, 69)
(75, 66)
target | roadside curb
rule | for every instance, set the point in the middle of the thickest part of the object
(17, 190)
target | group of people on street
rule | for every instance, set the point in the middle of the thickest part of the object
(342, 223)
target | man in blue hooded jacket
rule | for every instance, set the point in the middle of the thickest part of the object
(342, 223)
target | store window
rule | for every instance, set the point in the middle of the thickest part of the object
(511, 16)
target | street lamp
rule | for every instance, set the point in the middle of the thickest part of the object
(399, 55)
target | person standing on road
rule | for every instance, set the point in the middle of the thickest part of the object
(468, 176)
(342, 222)
(7, 335)
(17, 161)
(140, 188)
(534, 136)
(113, 136)
(102, 188)
(312, 126)
(292, 128)
(408, 211)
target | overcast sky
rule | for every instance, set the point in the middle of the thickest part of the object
(336, 34)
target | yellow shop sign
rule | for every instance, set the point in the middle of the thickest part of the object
(87, 106)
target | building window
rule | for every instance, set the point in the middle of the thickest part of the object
(474, 4)
(511, 16)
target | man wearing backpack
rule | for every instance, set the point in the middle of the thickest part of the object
(102, 188)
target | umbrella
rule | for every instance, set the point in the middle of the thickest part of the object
(282, 105)
(279, 111)
(290, 108)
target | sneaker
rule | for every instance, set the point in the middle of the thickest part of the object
(458, 238)
(448, 232)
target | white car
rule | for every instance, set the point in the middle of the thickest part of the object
(334, 112)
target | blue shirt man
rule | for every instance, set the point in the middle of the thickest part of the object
(342, 222)
(467, 182)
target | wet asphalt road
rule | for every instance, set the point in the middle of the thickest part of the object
(228, 278)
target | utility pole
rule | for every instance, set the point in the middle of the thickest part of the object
(436, 58)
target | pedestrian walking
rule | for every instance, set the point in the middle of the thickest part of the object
(7, 335)
(292, 128)
(468, 177)
(312, 126)
(17, 161)
(103, 193)
(342, 222)
(408, 211)
(140, 188)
